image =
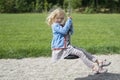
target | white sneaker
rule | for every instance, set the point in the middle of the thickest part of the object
(104, 63)
(100, 70)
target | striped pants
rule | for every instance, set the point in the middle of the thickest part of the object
(86, 57)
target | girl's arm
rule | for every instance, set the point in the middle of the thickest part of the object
(63, 30)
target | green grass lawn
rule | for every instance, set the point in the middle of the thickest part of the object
(27, 35)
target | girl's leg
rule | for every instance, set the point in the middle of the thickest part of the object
(89, 55)
(101, 63)
(86, 60)
(81, 55)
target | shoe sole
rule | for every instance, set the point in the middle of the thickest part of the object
(105, 65)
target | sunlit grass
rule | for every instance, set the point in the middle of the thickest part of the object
(27, 35)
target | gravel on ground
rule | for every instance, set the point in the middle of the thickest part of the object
(42, 69)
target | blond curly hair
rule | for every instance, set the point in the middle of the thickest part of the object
(51, 17)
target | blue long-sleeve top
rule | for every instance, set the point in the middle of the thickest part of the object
(61, 34)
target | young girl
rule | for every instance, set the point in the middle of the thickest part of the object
(61, 47)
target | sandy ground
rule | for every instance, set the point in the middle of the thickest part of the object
(42, 69)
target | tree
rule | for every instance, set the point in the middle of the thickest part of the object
(39, 6)
(45, 5)
(20, 6)
(7, 6)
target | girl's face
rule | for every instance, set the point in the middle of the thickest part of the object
(59, 18)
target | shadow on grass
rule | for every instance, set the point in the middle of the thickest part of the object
(105, 76)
